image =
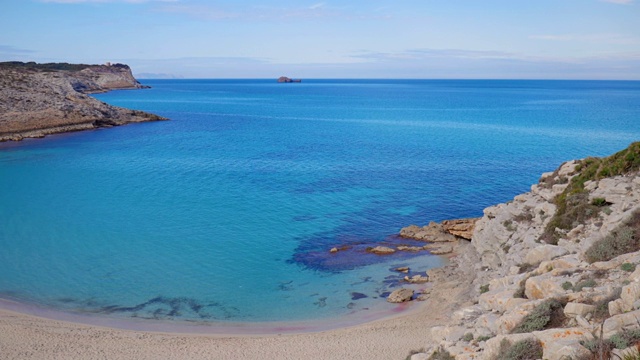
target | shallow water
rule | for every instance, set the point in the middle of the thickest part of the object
(227, 212)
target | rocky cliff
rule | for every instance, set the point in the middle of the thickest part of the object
(552, 274)
(41, 99)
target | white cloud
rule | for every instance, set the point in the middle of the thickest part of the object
(317, 6)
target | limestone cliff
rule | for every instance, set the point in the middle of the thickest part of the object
(41, 99)
(555, 270)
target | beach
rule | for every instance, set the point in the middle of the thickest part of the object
(30, 337)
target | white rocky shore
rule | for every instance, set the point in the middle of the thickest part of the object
(41, 99)
(530, 299)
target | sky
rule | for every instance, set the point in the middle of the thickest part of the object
(423, 39)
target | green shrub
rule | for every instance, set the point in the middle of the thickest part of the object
(540, 317)
(483, 338)
(583, 284)
(625, 338)
(467, 337)
(508, 224)
(628, 267)
(599, 202)
(567, 285)
(484, 288)
(528, 349)
(601, 347)
(441, 354)
(573, 206)
(620, 241)
(602, 306)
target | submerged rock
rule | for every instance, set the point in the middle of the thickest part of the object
(381, 250)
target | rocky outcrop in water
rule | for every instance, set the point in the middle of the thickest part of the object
(554, 272)
(284, 79)
(41, 99)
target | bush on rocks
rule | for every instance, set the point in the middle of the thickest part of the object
(540, 317)
(528, 349)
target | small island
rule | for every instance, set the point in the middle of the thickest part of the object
(43, 99)
(284, 79)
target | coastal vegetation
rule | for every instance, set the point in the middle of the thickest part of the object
(573, 205)
(50, 67)
(623, 239)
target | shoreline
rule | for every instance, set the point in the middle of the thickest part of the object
(388, 335)
(224, 328)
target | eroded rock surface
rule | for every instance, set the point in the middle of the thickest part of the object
(42, 99)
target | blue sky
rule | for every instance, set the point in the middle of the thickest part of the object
(526, 39)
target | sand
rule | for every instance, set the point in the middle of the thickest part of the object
(25, 336)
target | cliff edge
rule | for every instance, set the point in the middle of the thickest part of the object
(554, 273)
(42, 99)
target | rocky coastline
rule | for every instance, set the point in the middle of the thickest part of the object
(41, 99)
(551, 274)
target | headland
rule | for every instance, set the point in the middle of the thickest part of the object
(43, 99)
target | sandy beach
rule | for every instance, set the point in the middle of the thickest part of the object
(25, 336)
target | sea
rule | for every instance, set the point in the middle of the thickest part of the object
(227, 212)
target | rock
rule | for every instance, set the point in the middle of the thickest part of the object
(439, 249)
(410, 248)
(448, 333)
(573, 309)
(467, 314)
(544, 253)
(333, 250)
(630, 294)
(560, 344)
(631, 352)
(433, 232)
(402, 269)
(400, 295)
(544, 286)
(616, 307)
(381, 250)
(416, 279)
(461, 227)
(499, 300)
(420, 356)
(621, 322)
(38, 100)
(284, 79)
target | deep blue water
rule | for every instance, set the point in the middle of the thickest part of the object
(227, 212)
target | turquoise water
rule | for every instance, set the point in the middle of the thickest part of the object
(227, 212)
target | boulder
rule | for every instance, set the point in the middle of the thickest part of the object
(499, 300)
(416, 279)
(544, 253)
(574, 309)
(400, 295)
(561, 344)
(461, 227)
(620, 322)
(544, 286)
(630, 294)
(439, 249)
